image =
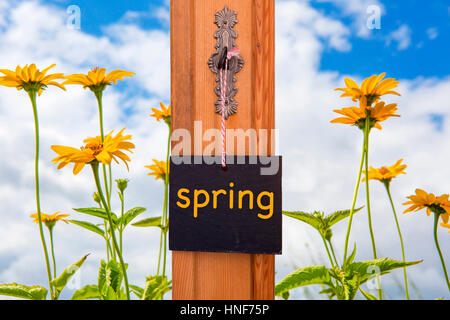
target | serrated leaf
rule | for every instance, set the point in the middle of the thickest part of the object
(60, 282)
(308, 218)
(353, 286)
(87, 292)
(330, 292)
(304, 277)
(367, 269)
(88, 226)
(350, 258)
(132, 213)
(97, 212)
(109, 293)
(156, 287)
(335, 217)
(367, 295)
(23, 292)
(138, 291)
(110, 276)
(149, 222)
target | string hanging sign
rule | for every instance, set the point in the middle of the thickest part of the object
(225, 203)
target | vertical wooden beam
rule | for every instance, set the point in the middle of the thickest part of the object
(204, 275)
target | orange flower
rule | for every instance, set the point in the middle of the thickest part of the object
(50, 219)
(163, 114)
(372, 88)
(30, 78)
(423, 200)
(357, 116)
(386, 174)
(97, 79)
(446, 225)
(158, 169)
(95, 150)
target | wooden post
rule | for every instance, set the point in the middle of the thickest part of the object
(217, 276)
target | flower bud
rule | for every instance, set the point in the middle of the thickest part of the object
(122, 184)
(96, 197)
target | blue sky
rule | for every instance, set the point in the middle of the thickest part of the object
(426, 55)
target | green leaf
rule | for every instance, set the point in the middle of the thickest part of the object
(335, 217)
(285, 295)
(149, 222)
(130, 215)
(138, 291)
(308, 218)
(87, 292)
(156, 287)
(97, 212)
(88, 226)
(367, 295)
(110, 276)
(304, 277)
(330, 292)
(60, 282)
(367, 269)
(109, 293)
(352, 286)
(24, 292)
(350, 258)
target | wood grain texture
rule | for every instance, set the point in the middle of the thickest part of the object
(202, 275)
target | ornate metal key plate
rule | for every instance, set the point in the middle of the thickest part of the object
(225, 35)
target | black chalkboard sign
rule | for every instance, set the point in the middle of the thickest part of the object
(233, 210)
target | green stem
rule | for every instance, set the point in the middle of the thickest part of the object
(328, 251)
(108, 247)
(121, 220)
(53, 252)
(436, 241)
(98, 95)
(166, 198)
(160, 251)
(369, 215)
(113, 236)
(332, 252)
(386, 184)
(32, 95)
(355, 194)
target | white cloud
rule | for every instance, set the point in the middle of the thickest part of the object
(300, 17)
(321, 158)
(401, 36)
(432, 33)
(358, 10)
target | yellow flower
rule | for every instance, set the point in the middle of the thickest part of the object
(386, 174)
(357, 115)
(50, 219)
(30, 78)
(158, 169)
(372, 88)
(97, 79)
(95, 150)
(422, 200)
(446, 225)
(163, 114)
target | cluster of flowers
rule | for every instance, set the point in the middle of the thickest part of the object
(368, 115)
(96, 151)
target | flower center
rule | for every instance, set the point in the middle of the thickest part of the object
(96, 148)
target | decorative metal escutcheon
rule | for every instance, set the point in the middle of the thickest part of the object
(225, 35)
